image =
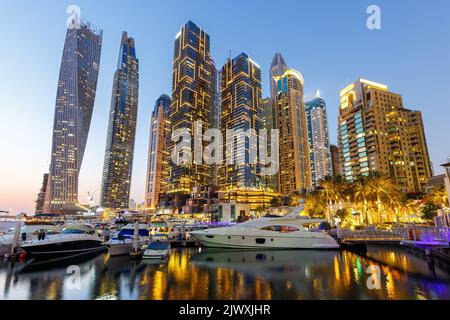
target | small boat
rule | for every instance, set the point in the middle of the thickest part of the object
(157, 250)
(122, 244)
(77, 238)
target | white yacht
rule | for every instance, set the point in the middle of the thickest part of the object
(122, 244)
(73, 239)
(288, 232)
(158, 249)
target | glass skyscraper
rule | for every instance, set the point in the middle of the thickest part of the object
(318, 138)
(118, 165)
(295, 169)
(242, 109)
(193, 92)
(75, 98)
(158, 153)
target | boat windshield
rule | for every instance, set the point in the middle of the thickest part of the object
(73, 231)
(157, 245)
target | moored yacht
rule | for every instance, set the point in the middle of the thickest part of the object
(288, 232)
(122, 244)
(73, 239)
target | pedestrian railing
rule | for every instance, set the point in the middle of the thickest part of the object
(413, 233)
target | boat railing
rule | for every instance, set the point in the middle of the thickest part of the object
(398, 234)
(35, 239)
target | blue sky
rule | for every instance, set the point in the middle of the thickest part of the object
(327, 41)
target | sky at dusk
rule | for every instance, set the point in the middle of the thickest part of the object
(327, 41)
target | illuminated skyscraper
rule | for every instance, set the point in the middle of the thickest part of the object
(117, 169)
(318, 138)
(241, 110)
(193, 93)
(158, 152)
(75, 97)
(40, 201)
(376, 133)
(295, 169)
(277, 68)
(336, 163)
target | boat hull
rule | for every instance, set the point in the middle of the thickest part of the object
(265, 241)
(155, 254)
(63, 246)
(5, 249)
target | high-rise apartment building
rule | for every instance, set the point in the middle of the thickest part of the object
(75, 97)
(336, 163)
(318, 138)
(241, 111)
(40, 201)
(295, 168)
(376, 133)
(158, 153)
(193, 93)
(118, 165)
(277, 68)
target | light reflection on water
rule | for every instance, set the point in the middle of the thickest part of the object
(231, 274)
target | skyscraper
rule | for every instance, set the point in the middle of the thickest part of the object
(75, 97)
(376, 133)
(336, 163)
(295, 169)
(241, 110)
(277, 68)
(40, 201)
(158, 152)
(193, 93)
(118, 165)
(318, 138)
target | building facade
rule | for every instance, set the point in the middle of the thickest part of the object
(318, 138)
(277, 68)
(40, 201)
(295, 166)
(376, 133)
(336, 163)
(241, 112)
(75, 98)
(158, 153)
(118, 165)
(192, 99)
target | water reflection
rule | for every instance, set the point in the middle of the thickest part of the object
(231, 274)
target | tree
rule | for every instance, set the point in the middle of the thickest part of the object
(429, 211)
(276, 202)
(437, 196)
(333, 190)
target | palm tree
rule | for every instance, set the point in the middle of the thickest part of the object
(438, 196)
(333, 189)
(381, 189)
(361, 195)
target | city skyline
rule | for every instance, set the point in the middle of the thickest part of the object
(409, 92)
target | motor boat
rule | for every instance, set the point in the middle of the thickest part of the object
(6, 242)
(157, 250)
(73, 239)
(288, 232)
(122, 244)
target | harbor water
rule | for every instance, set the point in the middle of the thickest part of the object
(199, 273)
